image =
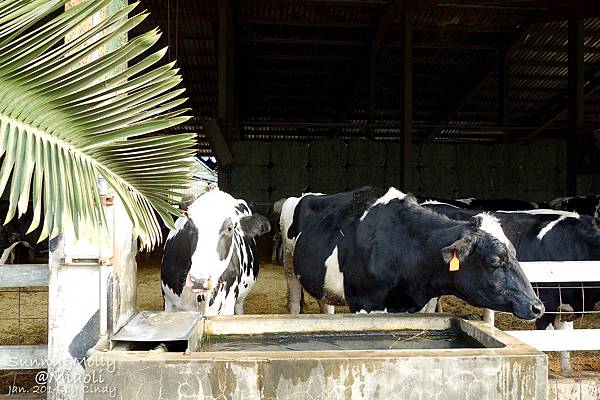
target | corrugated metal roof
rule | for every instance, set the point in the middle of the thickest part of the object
(304, 61)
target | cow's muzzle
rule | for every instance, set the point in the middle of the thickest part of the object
(530, 310)
(199, 284)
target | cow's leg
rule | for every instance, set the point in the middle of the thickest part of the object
(238, 309)
(280, 252)
(168, 305)
(326, 308)
(438, 307)
(430, 306)
(276, 245)
(294, 294)
(204, 306)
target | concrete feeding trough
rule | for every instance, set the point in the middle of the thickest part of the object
(335, 356)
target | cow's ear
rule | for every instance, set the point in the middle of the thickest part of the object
(462, 248)
(255, 225)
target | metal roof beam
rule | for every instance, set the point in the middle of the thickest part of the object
(387, 18)
(590, 88)
(488, 70)
(301, 41)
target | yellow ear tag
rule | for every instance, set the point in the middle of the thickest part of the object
(454, 263)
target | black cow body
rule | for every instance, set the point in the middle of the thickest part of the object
(381, 251)
(277, 254)
(496, 204)
(16, 245)
(586, 205)
(486, 204)
(547, 235)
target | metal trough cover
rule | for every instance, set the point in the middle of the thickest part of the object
(153, 326)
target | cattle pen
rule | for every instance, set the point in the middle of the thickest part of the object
(458, 101)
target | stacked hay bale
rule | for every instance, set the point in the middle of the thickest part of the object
(508, 164)
(289, 169)
(328, 159)
(439, 176)
(366, 161)
(393, 166)
(264, 173)
(546, 172)
(249, 177)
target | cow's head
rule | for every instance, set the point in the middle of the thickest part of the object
(489, 274)
(222, 222)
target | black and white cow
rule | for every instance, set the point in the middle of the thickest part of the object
(487, 204)
(586, 205)
(381, 251)
(210, 262)
(546, 235)
(277, 254)
(17, 244)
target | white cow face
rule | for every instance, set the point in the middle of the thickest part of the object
(221, 221)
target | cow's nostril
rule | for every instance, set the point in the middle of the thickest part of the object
(538, 309)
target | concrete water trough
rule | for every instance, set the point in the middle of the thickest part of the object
(384, 356)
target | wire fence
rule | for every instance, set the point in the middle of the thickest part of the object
(571, 307)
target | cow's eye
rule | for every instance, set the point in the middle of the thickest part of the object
(495, 261)
(229, 228)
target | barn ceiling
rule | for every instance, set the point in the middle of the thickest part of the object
(300, 69)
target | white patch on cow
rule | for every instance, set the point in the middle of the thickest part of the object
(437, 203)
(384, 311)
(431, 306)
(541, 211)
(491, 225)
(278, 205)
(179, 225)
(391, 194)
(466, 201)
(287, 218)
(549, 227)
(187, 301)
(208, 213)
(558, 201)
(565, 308)
(9, 254)
(334, 279)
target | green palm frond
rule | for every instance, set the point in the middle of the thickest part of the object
(64, 123)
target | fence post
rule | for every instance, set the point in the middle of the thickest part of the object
(73, 321)
(565, 356)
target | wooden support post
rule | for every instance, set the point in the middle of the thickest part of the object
(503, 85)
(223, 71)
(575, 110)
(406, 103)
(218, 142)
(227, 103)
(372, 89)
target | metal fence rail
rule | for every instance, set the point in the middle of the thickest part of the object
(570, 275)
